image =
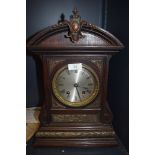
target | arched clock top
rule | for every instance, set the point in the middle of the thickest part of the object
(73, 34)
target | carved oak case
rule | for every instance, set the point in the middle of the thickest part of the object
(74, 114)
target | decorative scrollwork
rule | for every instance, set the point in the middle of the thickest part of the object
(75, 24)
(98, 63)
(75, 118)
(73, 134)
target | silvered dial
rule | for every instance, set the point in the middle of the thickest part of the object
(75, 87)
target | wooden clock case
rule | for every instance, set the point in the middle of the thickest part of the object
(74, 41)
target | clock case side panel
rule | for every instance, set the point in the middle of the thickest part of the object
(44, 116)
(106, 116)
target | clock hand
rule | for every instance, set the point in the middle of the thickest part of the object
(83, 87)
(78, 93)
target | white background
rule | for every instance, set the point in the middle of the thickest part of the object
(13, 77)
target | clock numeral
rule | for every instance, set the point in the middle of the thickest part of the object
(60, 84)
(62, 91)
(83, 92)
(88, 78)
(83, 73)
(89, 91)
(85, 88)
(61, 77)
(68, 92)
(68, 72)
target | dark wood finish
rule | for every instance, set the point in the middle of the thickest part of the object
(100, 142)
(94, 47)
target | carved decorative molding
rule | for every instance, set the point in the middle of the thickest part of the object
(71, 134)
(98, 63)
(75, 118)
(53, 63)
(76, 29)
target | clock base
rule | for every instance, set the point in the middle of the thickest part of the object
(97, 136)
(94, 142)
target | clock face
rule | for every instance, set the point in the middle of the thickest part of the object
(75, 87)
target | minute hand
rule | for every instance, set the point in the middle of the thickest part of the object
(83, 87)
(78, 93)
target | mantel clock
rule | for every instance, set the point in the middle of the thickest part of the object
(75, 58)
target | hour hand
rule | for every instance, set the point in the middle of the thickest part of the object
(83, 87)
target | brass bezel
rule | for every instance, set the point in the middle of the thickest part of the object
(84, 102)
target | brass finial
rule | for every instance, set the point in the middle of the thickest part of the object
(75, 11)
(75, 24)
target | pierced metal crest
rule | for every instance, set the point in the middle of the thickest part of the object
(75, 24)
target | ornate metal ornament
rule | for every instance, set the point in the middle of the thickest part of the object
(75, 24)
